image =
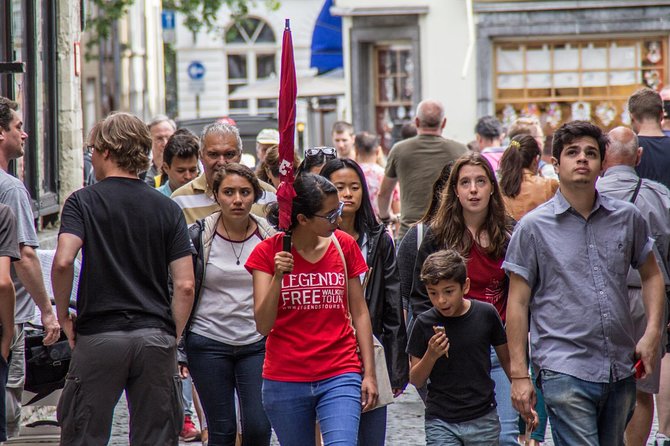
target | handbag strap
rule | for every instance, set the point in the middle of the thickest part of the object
(336, 242)
(637, 190)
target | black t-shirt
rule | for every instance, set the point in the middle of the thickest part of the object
(460, 387)
(131, 233)
(655, 162)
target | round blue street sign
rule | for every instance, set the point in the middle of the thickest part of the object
(196, 70)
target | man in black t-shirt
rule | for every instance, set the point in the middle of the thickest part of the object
(450, 344)
(646, 111)
(126, 327)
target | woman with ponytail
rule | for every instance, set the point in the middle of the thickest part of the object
(522, 188)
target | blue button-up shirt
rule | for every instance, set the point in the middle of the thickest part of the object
(576, 268)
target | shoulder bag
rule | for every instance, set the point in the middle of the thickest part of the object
(381, 371)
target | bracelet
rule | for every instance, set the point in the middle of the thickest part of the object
(520, 377)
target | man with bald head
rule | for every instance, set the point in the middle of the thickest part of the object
(416, 163)
(621, 181)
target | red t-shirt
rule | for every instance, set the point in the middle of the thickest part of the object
(488, 282)
(312, 338)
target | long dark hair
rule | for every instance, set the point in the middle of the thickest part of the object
(522, 151)
(310, 191)
(448, 225)
(365, 219)
(438, 190)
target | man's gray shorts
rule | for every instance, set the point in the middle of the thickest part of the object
(141, 362)
(651, 383)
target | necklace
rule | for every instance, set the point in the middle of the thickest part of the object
(244, 240)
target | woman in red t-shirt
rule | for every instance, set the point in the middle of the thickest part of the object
(472, 220)
(302, 302)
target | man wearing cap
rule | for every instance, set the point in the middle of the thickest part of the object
(220, 144)
(265, 139)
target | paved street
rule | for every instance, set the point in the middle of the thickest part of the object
(405, 426)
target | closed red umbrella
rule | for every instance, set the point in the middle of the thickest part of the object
(288, 91)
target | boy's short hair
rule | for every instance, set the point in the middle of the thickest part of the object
(182, 144)
(573, 130)
(446, 264)
(342, 127)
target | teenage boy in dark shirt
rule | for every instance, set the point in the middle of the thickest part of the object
(450, 344)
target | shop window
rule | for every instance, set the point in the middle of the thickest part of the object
(561, 81)
(394, 90)
(251, 53)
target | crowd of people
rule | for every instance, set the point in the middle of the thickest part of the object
(515, 282)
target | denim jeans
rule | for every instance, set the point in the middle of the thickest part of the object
(187, 395)
(509, 418)
(294, 408)
(482, 431)
(372, 429)
(219, 370)
(587, 413)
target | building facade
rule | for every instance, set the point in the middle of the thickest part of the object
(125, 72)
(40, 69)
(235, 71)
(556, 60)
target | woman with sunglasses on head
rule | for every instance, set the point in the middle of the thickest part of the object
(225, 352)
(471, 219)
(315, 158)
(306, 301)
(380, 284)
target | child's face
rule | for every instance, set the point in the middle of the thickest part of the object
(447, 296)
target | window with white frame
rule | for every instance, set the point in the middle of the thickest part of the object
(251, 53)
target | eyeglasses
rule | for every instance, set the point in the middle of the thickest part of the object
(324, 151)
(333, 215)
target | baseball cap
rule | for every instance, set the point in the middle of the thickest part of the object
(268, 136)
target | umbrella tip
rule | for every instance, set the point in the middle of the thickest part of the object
(287, 24)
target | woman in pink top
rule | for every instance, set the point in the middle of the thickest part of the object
(522, 188)
(302, 302)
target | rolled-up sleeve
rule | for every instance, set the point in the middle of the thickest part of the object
(643, 243)
(521, 256)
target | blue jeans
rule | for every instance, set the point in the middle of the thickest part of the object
(587, 413)
(482, 431)
(509, 418)
(372, 430)
(218, 371)
(187, 395)
(294, 408)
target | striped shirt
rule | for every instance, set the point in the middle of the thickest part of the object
(196, 200)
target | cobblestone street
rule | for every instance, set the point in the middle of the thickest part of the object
(404, 427)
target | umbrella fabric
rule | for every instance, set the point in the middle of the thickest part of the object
(287, 94)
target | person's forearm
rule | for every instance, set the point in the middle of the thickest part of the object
(384, 197)
(182, 303)
(62, 275)
(653, 297)
(363, 327)
(29, 271)
(419, 373)
(266, 305)
(517, 337)
(7, 303)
